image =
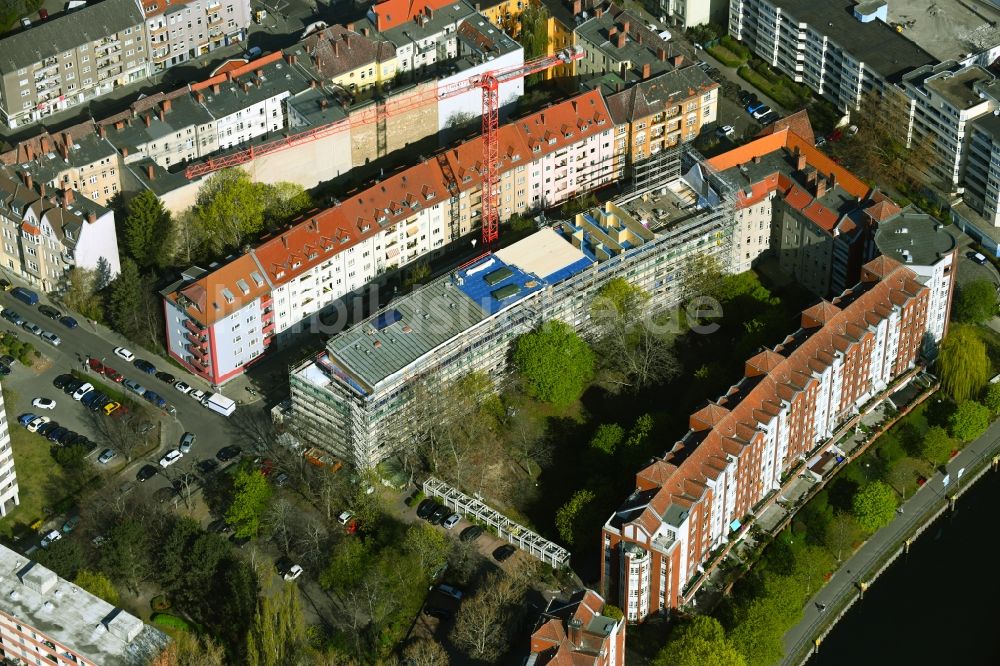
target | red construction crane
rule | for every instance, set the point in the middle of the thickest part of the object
(488, 82)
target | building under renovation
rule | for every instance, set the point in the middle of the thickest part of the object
(352, 399)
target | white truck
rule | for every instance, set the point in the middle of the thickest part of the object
(219, 404)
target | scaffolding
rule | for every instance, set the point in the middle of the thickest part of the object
(548, 552)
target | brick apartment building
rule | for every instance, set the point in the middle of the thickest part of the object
(790, 402)
(47, 619)
(574, 631)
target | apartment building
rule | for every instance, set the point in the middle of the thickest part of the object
(790, 403)
(78, 158)
(658, 113)
(167, 128)
(45, 618)
(70, 59)
(9, 491)
(424, 32)
(618, 41)
(573, 630)
(357, 398)
(979, 212)
(181, 31)
(46, 234)
(546, 158)
(356, 61)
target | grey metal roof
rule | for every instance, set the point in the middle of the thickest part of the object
(921, 237)
(184, 112)
(68, 31)
(429, 317)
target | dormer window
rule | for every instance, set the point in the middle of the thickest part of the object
(296, 264)
(257, 279)
(228, 295)
(313, 255)
(244, 287)
(279, 274)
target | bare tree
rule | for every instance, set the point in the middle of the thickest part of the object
(184, 480)
(122, 434)
(311, 541)
(278, 521)
(424, 652)
(485, 622)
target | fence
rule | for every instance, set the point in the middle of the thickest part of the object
(552, 554)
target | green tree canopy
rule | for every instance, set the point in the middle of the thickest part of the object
(874, 506)
(936, 446)
(700, 642)
(969, 420)
(976, 302)
(555, 363)
(607, 437)
(963, 364)
(349, 562)
(97, 584)
(991, 398)
(277, 636)
(231, 208)
(841, 533)
(571, 514)
(145, 230)
(251, 494)
(618, 298)
(427, 546)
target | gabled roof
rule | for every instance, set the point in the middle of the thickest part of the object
(392, 13)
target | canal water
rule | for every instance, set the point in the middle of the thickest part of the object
(938, 605)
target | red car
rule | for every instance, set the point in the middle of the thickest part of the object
(113, 375)
(95, 365)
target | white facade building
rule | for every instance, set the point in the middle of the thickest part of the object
(8, 476)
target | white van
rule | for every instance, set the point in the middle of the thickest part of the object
(219, 404)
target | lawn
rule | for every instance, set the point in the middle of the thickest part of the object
(775, 90)
(41, 481)
(725, 56)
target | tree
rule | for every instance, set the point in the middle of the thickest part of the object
(97, 584)
(976, 302)
(81, 293)
(757, 633)
(555, 363)
(417, 274)
(251, 494)
(348, 565)
(534, 33)
(991, 398)
(969, 420)
(145, 229)
(132, 306)
(569, 515)
(904, 472)
(618, 298)
(936, 446)
(65, 557)
(126, 554)
(607, 437)
(424, 652)
(189, 650)
(277, 636)
(427, 546)
(483, 625)
(841, 534)
(578, 204)
(874, 506)
(700, 642)
(963, 364)
(230, 208)
(284, 202)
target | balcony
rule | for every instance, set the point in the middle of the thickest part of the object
(194, 328)
(197, 352)
(198, 342)
(268, 329)
(214, 19)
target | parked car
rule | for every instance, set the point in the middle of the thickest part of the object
(5, 284)
(187, 441)
(68, 438)
(281, 480)
(207, 466)
(135, 387)
(82, 390)
(440, 513)
(197, 395)
(43, 403)
(219, 526)
(154, 398)
(56, 434)
(26, 418)
(769, 118)
(146, 473)
(166, 377)
(70, 524)
(451, 521)
(9, 360)
(111, 407)
(72, 385)
(471, 534)
(227, 453)
(182, 387)
(439, 612)
(345, 517)
(145, 366)
(113, 375)
(12, 317)
(726, 131)
(49, 311)
(4, 370)
(46, 428)
(24, 295)
(426, 508)
(170, 457)
(51, 338)
(32, 328)
(122, 352)
(106, 456)
(37, 423)
(95, 364)
(760, 112)
(450, 591)
(51, 537)
(977, 257)
(504, 552)
(284, 565)
(68, 322)
(753, 105)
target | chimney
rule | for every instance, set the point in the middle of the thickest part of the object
(101, 132)
(364, 31)
(45, 144)
(577, 7)
(430, 12)
(124, 151)
(28, 181)
(245, 86)
(166, 105)
(119, 124)
(638, 36)
(199, 97)
(820, 187)
(150, 172)
(646, 71)
(259, 73)
(91, 217)
(612, 31)
(323, 103)
(229, 75)
(599, 12)
(625, 26)
(756, 159)
(832, 180)
(41, 189)
(160, 114)
(621, 40)
(64, 147)
(800, 162)
(678, 60)
(336, 49)
(661, 53)
(147, 119)
(67, 197)
(290, 58)
(350, 27)
(477, 7)
(312, 83)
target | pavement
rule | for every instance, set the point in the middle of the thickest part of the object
(845, 582)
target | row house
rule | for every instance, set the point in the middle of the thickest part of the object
(424, 32)
(356, 60)
(790, 402)
(181, 31)
(546, 159)
(618, 41)
(70, 59)
(46, 233)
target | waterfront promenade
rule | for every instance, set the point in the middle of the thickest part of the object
(845, 586)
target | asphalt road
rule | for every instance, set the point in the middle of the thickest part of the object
(844, 584)
(213, 431)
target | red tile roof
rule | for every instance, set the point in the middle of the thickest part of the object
(392, 13)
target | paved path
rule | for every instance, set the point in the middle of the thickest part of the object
(844, 583)
(730, 74)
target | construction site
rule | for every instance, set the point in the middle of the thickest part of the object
(355, 398)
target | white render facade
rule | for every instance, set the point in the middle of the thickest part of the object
(179, 32)
(8, 476)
